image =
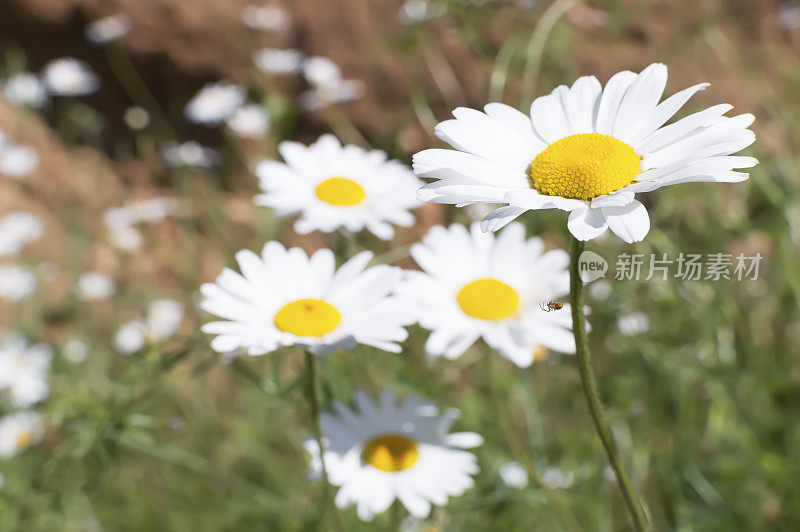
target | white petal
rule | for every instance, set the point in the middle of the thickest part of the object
(640, 101)
(610, 100)
(586, 224)
(499, 218)
(631, 223)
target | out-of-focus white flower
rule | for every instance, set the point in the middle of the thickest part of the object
(265, 18)
(249, 122)
(633, 324)
(555, 478)
(17, 160)
(16, 282)
(108, 29)
(215, 102)
(16, 230)
(189, 153)
(416, 11)
(121, 221)
(513, 475)
(24, 370)
(19, 431)
(94, 285)
(126, 238)
(600, 290)
(161, 320)
(25, 89)
(328, 85)
(277, 61)
(136, 118)
(70, 77)
(76, 350)
(789, 15)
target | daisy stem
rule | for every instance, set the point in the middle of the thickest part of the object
(313, 400)
(589, 384)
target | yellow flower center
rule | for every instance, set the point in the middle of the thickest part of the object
(540, 353)
(584, 166)
(24, 439)
(340, 191)
(488, 299)
(308, 317)
(391, 452)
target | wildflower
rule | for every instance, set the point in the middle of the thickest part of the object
(215, 102)
(70, 77)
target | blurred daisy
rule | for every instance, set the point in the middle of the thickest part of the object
(416, 11)
(161, 320)
(513, 475)
(108, 29)
(556, 479)
(121, 221)
(278, 61)
(475, 285)
(25, 90)
(17, 229)
(76, 349)
(215, 102)
(70, 77)
(189, 153)
(17, 160)
(24, 370)
(389, 450)
(93, 285)
(633, 324)
(585, 150)
(16, 282)
(18, 431)
(334, 187)
(328, 86)
(249, 122)
(284, 297)
(265, 18)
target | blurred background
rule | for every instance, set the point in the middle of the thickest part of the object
(114, 208)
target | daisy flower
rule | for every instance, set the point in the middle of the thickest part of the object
(587, 150)
(19, 431)
(279, 61)
(25, 89)
(107, 29)
(17, 160)
(265, 18)
(334, 186)
(285, 297)
(16, 282)
(328, 86)
(24, 370)
(215, 102)
(17, 229)
(94, 285)
(389, 450)
(249, 122)
(478, 285)
(161, 320)
(70, 77)
(190, 154)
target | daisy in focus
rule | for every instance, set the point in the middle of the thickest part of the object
(478, 285)
(215, 102)
(586, 150)
(284, 297)
(334, 186)
(70, 77)
(389, 450)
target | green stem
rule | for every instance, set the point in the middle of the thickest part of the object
(589, 384)
(313, 400)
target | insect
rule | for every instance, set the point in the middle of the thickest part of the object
(551, 305)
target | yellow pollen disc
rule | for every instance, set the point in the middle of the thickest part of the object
(308, 317)
(24, 439)
(584, 166)
(340, 191)
(391, 453)
(488, 299)
(540, 353)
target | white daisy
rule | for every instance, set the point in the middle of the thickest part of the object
(249, 122)
(215, 102)
(328, 86)
(513, 475)
(94, 285)
(25, 89)
(633, 324)
(279, 61)
(475, 285)
(109, 28)
(285, 298)
(70, 77)
(161, 320)
(17, 160)
(189, 153)
(24, 370)
(391, 450)
(334, 186)
(19, 431)
(16, 282)
(585, 150)
(265, 18)
(17, 229)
